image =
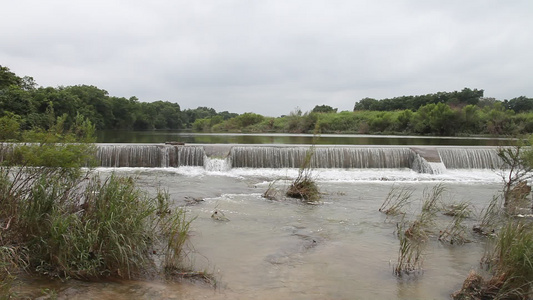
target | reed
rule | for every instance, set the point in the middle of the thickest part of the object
(510, 265)
(491, 218)
(304, 186)
(9, 261)
(172, 227)
(100, 227)
(456, 232)
(410, 252)
(396, 200)
(431, 199)
(271, 192)
(413, 235)
(512, 260)
(68, 223)
(60, 219)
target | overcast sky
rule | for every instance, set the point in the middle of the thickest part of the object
(271, 56)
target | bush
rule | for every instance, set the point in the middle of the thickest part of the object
(304, 186)
(59, 219)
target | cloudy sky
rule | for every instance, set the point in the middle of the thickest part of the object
(271, 56)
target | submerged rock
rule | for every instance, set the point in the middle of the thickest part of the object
(192, 200)
(219, 216)
(292, 251)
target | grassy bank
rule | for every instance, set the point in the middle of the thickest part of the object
(59, 218)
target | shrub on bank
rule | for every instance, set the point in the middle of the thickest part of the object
(60, 219)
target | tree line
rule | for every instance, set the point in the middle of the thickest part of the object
(21, 96)
(465, 112)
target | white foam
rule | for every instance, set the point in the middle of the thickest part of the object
(330, 175)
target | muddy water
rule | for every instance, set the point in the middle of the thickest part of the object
(342, 248)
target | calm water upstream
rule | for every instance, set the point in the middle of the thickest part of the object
(282, 138)
(342, 248)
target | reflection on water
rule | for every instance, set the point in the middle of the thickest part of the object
(324, 139)
(342, 248)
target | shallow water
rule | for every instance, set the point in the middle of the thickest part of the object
(342, 248)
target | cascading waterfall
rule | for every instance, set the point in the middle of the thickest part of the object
(217, 164)
(421, 165)
(158, 156)
(470, 158)
(323, 157)
(341, 157)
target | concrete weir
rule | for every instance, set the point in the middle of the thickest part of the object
(430, 154)
(217, 150)
(427, 160)
(433, 160)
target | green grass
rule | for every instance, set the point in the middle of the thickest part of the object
(304, 186)
(396, 200)
(93, 227)
(410, 252)
(512, 259)
(62, 220)
(456, 232)
(414, 234)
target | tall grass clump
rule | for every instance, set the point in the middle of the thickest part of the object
(304, 186)
(410, 252)
(172, 232)
(491, 218)
(63, 220)
(9, 260)
(509, 258)
(271, 192)
(512, 260)
(456, 232)
(413, 235)
(396, 199)
(104, 231)
(509, 263)
(516, 170)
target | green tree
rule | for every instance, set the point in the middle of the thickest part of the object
(469, 96)
(324, 109)
(8, 78)
(248, 119)
(381, 122)
(123, 111)
(404, 120)
(93, 103)
(519, 104)
(442, 119)
(498, 119)
(9, 127)
(471, 119)
(167, 115)
(367, 104)
(16, 100)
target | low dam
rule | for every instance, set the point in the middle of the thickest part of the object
(421, 159)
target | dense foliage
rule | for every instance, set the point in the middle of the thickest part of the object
(464, 97)
(59, 218)
(465, 112)
(22, 97)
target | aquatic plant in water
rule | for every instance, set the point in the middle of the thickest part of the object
(413, 235)
(509, 263)
(456, 232)
(304, 186)
(396, 200)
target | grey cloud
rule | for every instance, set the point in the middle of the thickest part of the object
(271, 56)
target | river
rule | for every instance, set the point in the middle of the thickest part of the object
(340, 248)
